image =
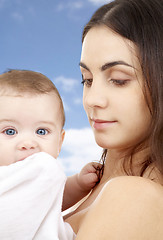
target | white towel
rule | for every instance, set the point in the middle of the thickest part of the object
(30, 200)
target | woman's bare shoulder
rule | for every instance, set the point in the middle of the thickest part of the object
(134, 192)
(134, 185)
(126, 208)
(135, 189)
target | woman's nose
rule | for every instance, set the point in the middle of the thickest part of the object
(95, 96)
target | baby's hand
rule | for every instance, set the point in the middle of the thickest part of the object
(89, 176)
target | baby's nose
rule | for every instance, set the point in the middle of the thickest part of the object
(27, 145)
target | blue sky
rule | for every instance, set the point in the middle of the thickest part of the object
(45, 36)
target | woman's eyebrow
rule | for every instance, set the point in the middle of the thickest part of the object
(107, 65)
(81, 64)
(114, 63)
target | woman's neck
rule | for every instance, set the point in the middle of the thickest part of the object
(113, 165)
(116, 160)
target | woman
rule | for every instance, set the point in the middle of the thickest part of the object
(121, 66)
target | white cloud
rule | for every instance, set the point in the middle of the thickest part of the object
(77, 5)
(60, 7)
(65, 105)
(67, 84)
(73, 5)
(17, 16)
(99, 2)
(79, 148)
(78, 101)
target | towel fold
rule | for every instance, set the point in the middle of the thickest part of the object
(31, 193)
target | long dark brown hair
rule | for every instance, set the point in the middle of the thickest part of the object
(141, 21)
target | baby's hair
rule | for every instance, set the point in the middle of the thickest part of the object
(26, 81)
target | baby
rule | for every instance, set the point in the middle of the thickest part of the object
(32, 181)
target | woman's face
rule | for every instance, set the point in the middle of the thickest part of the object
(113, 94)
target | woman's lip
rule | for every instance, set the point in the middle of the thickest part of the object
(101, 124)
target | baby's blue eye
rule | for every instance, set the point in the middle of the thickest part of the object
(10, 131)
(41, 131)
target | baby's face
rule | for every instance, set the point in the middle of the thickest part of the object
(28, 125)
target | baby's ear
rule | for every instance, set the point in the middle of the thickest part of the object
(62, 136)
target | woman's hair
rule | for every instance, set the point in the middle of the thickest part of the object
(141, 21)
(28, 82)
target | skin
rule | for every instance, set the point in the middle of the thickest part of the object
(119, 116)
(127, 208)
(32, 123)
(113, 97)
(28, 125)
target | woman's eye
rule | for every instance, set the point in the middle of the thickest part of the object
(42, 131)
(87, 82)
(10, 131)
(119, 82)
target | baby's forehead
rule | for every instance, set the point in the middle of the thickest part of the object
(15, 92)
(42, 105)
(52, 98)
